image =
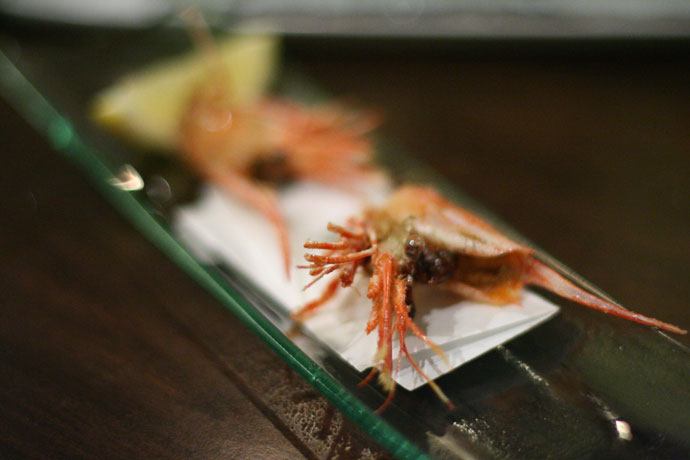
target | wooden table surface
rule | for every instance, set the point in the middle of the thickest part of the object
(108, 350)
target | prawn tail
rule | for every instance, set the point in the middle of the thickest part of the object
(544, 276)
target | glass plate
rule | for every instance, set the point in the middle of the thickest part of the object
(582, 385)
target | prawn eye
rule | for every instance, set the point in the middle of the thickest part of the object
(273, 168)
(435, 267)
(414, 246)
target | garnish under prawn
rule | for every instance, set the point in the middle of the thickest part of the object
(248, 150)
(420, 237)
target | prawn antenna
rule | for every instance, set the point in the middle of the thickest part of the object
(200, 34)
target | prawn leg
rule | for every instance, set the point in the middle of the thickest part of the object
(388, 291)
(345, 255)
(382, 297)
(260, 198)
(403, 321)
(311, 307)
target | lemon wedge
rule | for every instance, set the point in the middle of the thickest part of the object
(146, 107)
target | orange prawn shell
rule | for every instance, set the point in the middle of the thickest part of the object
(325, 143)
(478, 243)
(213, 133)
(445, 224)
(493, 265)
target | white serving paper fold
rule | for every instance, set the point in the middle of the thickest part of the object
(220, 228)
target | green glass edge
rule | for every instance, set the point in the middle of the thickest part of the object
(36, 110)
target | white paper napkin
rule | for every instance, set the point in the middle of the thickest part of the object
(219, 227)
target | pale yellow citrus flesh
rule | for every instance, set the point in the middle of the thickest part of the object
(146, 106)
